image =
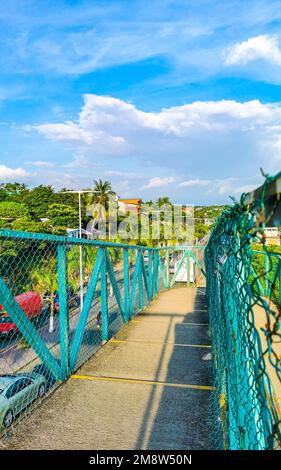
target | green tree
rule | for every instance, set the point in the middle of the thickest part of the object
(62, 215)
(102, 193)
(27, 225)
(67, 198)
(10, 210)
(38, 201)
(163, 201)
(13, 191)
(200, 230)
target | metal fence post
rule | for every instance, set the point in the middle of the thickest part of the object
(150, 277)
(28, 330)
(82, 322)
(126, 283)
(266, 268)
(135, 281)
(167, 262)
(104, 302)
(63, 310)
(279, 283)
(187, 269)
(140, 285)
(155, 272)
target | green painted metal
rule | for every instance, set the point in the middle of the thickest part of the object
(197, 262)
(155, 272)
(114, 284)
(150, 273)
(280, 285)
(266, 270)
(126, 284)
(163, 273)
(241, 281)
(79, 332)
(167, 267)
(28, 331)
(16, 234)
(178, 268)
(104, 305)
(256, 280)
(135, 279)
(146, 281)
(187, 268)
(63, 310)
(76, 333)
(140, 283)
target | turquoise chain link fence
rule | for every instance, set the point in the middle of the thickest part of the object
(243, 294)
(60, 300)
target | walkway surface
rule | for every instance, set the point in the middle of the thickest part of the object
(148, 388)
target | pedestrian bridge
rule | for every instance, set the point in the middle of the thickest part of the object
(149, 387)
(143, 347)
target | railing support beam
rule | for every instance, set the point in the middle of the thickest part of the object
(63, 310)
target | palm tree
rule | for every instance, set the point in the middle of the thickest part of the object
(163, 201)
(102, 193)
(89, 255)
(45, 279)
(100, 199)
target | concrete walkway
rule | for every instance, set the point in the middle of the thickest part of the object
(148, 388)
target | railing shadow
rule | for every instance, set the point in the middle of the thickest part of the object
(180, 420)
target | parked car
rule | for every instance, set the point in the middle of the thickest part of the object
(16, 393)
(72, 297)
(31, 304)
(145, 258)
(41, 369)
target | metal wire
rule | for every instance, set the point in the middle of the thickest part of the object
(243, 295)
(46, 332)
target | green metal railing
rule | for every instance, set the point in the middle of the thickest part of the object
(244, 304)
(46, 333)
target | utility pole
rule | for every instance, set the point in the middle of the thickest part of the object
(79, 192)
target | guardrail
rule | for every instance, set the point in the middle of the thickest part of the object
(61, 299)
(266, 274)
(243, 295)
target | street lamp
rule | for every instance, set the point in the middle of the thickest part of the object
(79, 192)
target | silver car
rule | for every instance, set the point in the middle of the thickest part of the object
(16, 393)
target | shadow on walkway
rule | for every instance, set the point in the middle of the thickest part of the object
(142, 390)
(180, 421)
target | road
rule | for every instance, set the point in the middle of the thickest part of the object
(147, 388)
(15, 356)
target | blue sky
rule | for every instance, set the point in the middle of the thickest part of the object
(170, 97)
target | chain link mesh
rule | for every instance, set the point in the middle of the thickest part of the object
(243, 295)
(31, 265)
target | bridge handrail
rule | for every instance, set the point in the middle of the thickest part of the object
(244, 310)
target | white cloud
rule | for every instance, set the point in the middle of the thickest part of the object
(108, 125)
(247, 188)
(194, 182)
(84, 133)
(157, 182)
(174, 136)
(79, 161)
(264, 47)
(130, 175)
(213, 139)
(40, 163)
(224, 187)
(10, 174)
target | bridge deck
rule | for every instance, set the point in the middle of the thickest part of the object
(148, 388)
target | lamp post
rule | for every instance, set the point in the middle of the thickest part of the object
(79, 192)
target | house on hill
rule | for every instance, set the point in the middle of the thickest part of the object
(132, 206)
(272, 236)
